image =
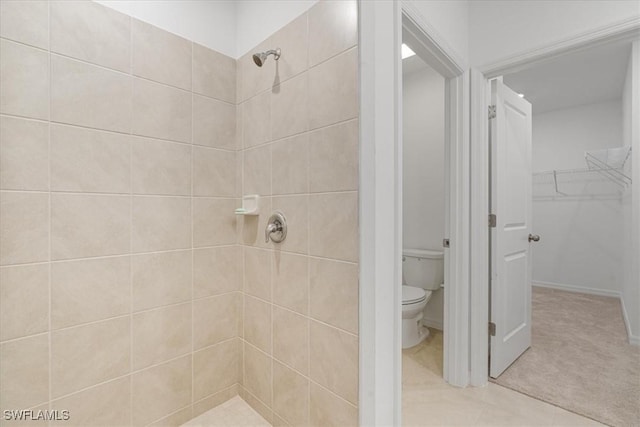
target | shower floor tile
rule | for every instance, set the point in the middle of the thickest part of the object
(234, 412)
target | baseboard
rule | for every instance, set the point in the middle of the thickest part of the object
(435, 324)
(573, 288)
(633, 339)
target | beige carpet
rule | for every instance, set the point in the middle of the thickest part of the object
(580, 359)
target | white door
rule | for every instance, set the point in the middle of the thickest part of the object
(510, 134)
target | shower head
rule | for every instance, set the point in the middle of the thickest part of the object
(259, 58)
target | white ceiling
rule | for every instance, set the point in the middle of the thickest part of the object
(586, 77)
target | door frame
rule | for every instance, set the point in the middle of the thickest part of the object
(381, 27)
(626, 30)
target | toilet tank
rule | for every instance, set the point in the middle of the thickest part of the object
(423, 268)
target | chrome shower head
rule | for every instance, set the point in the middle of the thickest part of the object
(259, 58)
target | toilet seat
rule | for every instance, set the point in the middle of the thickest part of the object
(413, 295)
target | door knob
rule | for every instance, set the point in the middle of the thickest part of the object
(276, 230)
(534, 237)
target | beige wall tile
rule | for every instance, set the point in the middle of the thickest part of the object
(161, 390)
(161, 279)
(214, 74)
(90, 161)
(214, 400)
(86, 95)
(334, 215)
(107, 404)
(294, 209)
(24, 227)
(333, 158)
(257, 374)
(161, 223)
(25, 21)
(328, 410)
(161, 334)
(214, 222)
(333, 86)
(89, 225)
(160, 55)
(257, 79)
(217, 367)
(290, 278)
(24, 81)
(24, 154)
(91, 32)
(89, 290)
(24, 372)
(257, 171)
(75, 361)
(334, 293)
(291, 339)
(217, 271)
(214, 123)
(334, 360)
(176, 419)
(293, 41)
(161, 167)
(214, 172)
(161, 111)
(257, 273)
(290, 395)
(289, 161)
(257, 323)
(257, 405)
(24, 301)
(216, 319)
(256, 120)
(289, 107)
(333, 28)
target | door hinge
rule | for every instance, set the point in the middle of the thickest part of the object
(493, 221)
(492, 329)
(492, 112)
(445, 243)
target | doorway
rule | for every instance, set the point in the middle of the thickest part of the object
(581, 180)
(424, 195)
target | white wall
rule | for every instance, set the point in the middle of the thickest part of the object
(499, 29)
(258, 19)
(581, 237)
(209, 23)
(423, 170)
(228, 26)
(450, 20)
(631, 208)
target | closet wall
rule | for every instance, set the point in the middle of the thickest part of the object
(580, 233)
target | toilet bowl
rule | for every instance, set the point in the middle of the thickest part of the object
(422, 275)
(414, 301)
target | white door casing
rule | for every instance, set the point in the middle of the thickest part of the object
(511, 188)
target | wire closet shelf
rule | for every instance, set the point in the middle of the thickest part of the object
(608, 165)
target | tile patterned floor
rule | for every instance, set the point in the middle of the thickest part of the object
(428, 401)
(232, 413)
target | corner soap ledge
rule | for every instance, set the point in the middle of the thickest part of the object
(249, 205)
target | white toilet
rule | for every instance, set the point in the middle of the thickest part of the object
(422, 274)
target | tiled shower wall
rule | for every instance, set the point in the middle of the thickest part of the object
(120, 275)
(125, 278)
(299, 131)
